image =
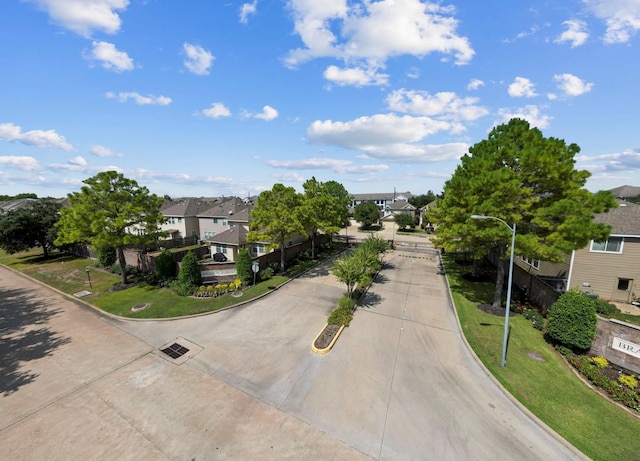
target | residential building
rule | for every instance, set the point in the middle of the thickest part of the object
(383, 200)
(182, 216)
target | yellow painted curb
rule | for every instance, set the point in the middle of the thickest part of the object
(333, 341)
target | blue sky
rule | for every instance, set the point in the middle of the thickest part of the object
(210, 98)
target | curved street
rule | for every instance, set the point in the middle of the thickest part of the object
(399, 383)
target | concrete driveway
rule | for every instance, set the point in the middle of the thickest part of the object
(399, 384)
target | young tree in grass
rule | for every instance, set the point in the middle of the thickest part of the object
(111, 211)
(521, 177)
(366, 213)
(31, 226)
(276, 218)
(350, 271)
(404, 220)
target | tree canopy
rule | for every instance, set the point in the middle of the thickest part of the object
(325, 208)
(523, 178)
(366, 213)
(404, 219)
(30, 226)
(419, 201)
(111, 211)
(276, 218)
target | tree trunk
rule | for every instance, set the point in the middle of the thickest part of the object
(282, 257)
(45, 250)
(313, 245)
(123, 266)
(497, 296)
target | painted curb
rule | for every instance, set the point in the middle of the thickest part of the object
(333, 341)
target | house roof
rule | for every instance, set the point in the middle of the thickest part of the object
(382, 196)
(237, 236)
(401, 205)
(10, 205)
(624, 220)
(184, 207)
(231, 208)
(626, 191)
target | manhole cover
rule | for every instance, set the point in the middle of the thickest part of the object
(140, 307)
(175, 351)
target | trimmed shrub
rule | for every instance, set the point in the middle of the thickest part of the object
(243, 266)
(627, 380)
(165, 265)
(190, 271)
(343, 314)
(572, 321)
(604, 307)
(600, 362)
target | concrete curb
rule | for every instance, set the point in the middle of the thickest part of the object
(486, 371)
(330, 346)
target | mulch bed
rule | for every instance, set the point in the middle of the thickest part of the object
(327, 335)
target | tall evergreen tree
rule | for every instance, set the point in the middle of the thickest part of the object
(111, 211)
(523, 178)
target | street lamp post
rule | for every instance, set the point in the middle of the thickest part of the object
(510, 280)
(89, 278)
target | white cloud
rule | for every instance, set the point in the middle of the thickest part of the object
(40, 138)
(246, 10)
(198, 60)
(571, 85)
(268, 113)
(389, 137)
(621, 161)
(289, 177)
(474, 84)
(414, 72)
(355, 76)
(522, 87)
(622, 18)
(374, 31)
(336, 165)
(139, 99)
(19, 162)
(446, 105)
(110, 57)
(217, 110)
(101, 151)
(84, 16)
(576, 33)
(78, 161)
(530, 113)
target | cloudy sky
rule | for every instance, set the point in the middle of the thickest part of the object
(209, 98)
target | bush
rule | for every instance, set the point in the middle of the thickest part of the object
(627, 380)
(604, 307)
(182, 289)
(600, 362)
(243, 266)
(343, 314)
(572, 321)
(165, 265)
(534, 317)
(106, 257)
(265, 274)
(190, 271)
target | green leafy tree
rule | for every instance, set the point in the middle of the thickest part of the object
(111, 211)
(404, 220)
(107, 257)
(572, 321)
(276, 218)
(366, 213)
(31, 226)
(243, 266)
(325, 206)
(523, 178)
(419, 201)
(165, 266)
(350, 271)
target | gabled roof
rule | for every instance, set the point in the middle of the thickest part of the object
(401, 205)
(624, 220)
(184, 207)
(237, 236)
(626, 191)
(11, 205)
(231, 209)
(382, 196)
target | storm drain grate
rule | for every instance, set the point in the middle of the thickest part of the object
(175, 351)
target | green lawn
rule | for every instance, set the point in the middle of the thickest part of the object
(69, 275)
(548, 386)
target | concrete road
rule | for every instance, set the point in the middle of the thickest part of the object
(399, 384)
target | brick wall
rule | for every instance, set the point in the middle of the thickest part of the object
(608, 342)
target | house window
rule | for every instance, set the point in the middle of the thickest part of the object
(258, 248)
(535, 263)
(623, 284)
(611, 245)
(171, 220)
(224, 222)
(215, 220)
(179, 220)
(141, 232)
(209, 234)
(221, 249)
